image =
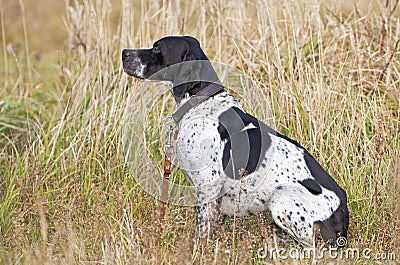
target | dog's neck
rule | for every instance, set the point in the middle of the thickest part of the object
(185, 91)
(195, 99)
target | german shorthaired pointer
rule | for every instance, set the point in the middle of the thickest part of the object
(238, 165)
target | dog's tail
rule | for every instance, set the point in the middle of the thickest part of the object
(333, 231)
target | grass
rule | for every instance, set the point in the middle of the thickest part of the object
(326, 75)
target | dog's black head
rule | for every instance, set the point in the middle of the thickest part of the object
(176, 59)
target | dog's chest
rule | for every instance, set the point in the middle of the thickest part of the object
(200, 151)
(198, 144)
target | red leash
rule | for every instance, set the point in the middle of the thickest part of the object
(168, 150)
(164, 194)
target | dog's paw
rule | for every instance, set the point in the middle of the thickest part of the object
(282, 236)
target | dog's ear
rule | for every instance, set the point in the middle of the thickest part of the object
(194, 71)
(187, 76)
(193, 50)
(188, 73)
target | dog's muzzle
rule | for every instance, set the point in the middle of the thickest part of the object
(132, 64)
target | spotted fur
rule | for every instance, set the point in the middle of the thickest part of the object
(238, 165)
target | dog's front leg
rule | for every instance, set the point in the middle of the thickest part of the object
(207, 212)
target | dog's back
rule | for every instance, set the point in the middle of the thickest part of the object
(238, 164)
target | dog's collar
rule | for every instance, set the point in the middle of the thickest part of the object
(201, 96)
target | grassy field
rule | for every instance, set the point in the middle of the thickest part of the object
(328, 72)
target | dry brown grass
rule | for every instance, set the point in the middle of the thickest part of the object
(329, 73)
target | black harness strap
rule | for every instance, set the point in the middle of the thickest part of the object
(201, 96)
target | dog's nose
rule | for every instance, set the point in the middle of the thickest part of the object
(126, 53)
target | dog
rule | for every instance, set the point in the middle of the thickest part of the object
(237, 164)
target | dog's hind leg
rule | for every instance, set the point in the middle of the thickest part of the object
(290, 209)
(299, 212)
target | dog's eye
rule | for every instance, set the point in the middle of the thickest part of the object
(156, 49)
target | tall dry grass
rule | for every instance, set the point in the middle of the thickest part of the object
(329, 74)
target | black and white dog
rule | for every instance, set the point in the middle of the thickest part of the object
(238, 165)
